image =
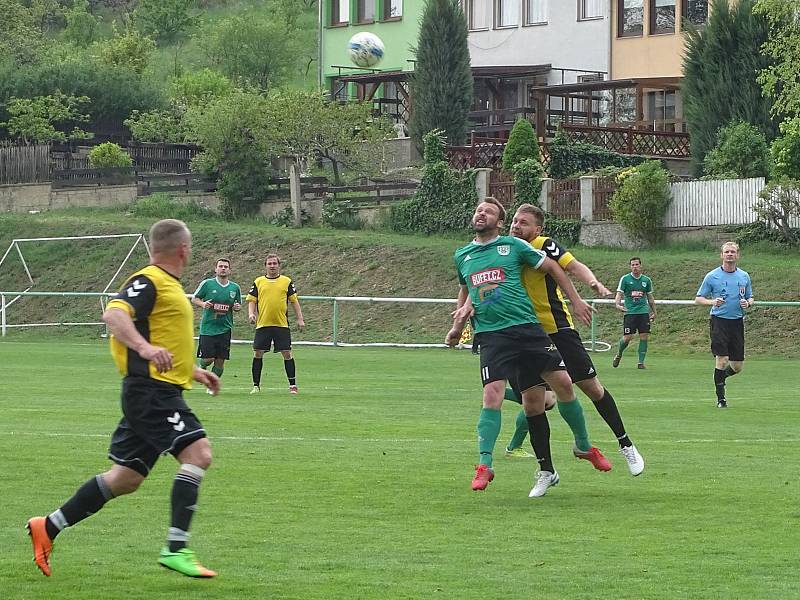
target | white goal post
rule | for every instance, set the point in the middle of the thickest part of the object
(15, 245)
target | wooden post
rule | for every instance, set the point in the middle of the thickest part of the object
(295, 195)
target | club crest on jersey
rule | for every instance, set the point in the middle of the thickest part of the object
(488, 276)
(233, 295)
(504, 250)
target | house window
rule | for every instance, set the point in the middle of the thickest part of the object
(366, 11)
(479, 14)
(662, 16)
(590, 9)
(392, 9)
(630, 17)
(340, 12)
(535, 12)
(661, 110)
(507, 13)
(695, 11)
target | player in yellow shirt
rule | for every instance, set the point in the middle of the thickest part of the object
(152, 344)
(267, 305)
(552, 311)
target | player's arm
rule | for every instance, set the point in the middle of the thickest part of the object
(252, 304)
(298, 313)
(618, 301)
(704, 294)
(237, 305)
(581, 272)
(579, 308)
(651, 300)
(197, 297)
(747, 301)
(136, 300)
(463, 311)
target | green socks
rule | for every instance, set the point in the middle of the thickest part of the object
(572, 413)
(622, 345)
(488, 430)
(642, 351)
(520, 432)
(217, 370)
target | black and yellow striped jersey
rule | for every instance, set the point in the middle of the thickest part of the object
(547, 298)
(162, 314)
(272, 296)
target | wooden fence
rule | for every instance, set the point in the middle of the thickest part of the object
(162, 158)
(627, 140)
(24, 164)
(565, 199)
(71, 178)
(174, 183)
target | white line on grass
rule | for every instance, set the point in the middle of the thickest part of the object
(259, 438)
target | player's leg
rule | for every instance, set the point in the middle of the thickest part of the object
(283, 343)
(627, 334)
(644, 337)
(222, 352)
(261, 343)
(533, 403)
(514, 446)
(720, 345)
(204, 352)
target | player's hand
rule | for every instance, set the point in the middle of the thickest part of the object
(600, 290)
(719, 301)
(744, 303)
(208, 304)
(453, 337)
(237, 307)
(301, 324)
(621, 308)
(252, 319)
(583, 312)
(207, 378)
(161, 357)
(652, 317)
(460, 315)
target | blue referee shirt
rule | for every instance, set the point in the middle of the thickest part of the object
(731, 287)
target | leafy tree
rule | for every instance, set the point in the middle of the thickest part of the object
(250, 46)
(166, 21)
(46, 119)
(527, 182)
(721, 63)
(109, 155)
(781, 76)
(128, 50)
(741, 152)
(779, 206)
(83, 27)
(442, 83)
(786, 150)
(197, 87)
(157, 125)
(307, 126)
(21, 39)
(522, 145)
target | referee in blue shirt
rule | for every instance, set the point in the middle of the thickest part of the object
(728, 291)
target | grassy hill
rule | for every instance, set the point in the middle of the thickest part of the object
(326, 262)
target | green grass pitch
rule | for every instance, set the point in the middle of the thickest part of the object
(359, 486)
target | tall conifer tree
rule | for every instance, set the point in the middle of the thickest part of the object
(721, 64)
(442, 83)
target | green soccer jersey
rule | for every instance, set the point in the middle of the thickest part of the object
(635, 292)
(219, 318)
(491, 272)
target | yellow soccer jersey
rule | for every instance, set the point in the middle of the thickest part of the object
(272, 297)
(548, 301)
(162, 313)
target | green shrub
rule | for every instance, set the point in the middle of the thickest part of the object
(741, 152)
(779, 206)
(641, 201)
(445, 199)
(785, 150)
(568, 159)
(522, 145)
(109, 155)
(164, 206)
(566, 231)
(285, 218)
(341, 214)
(527, 182)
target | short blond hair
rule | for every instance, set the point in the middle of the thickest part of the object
(167, 235)
(729, 244)
(533, 210)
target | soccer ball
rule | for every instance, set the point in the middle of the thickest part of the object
(366, 49)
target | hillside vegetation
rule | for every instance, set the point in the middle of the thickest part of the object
(327, 262)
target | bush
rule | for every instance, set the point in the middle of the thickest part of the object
(164, 206)
(779, 206)
(785, 150)
(522, 145)
(568, 159)
(566, 231)
(108, 156)
(285, 218)
(341, 214)
(641, 201)
(741, 152)
(527, 182)
(445, 199)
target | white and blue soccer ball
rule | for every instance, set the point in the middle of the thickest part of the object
(366, 49)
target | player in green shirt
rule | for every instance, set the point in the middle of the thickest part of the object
(635, 299)
(219, 297)
(513, 346)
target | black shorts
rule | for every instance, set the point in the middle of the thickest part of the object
(519, 353)
(570, 346)
(633, 323)
(155, 421)
(278, 337)
(215, 346)
(727, 338)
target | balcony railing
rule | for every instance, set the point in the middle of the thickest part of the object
(627, 140)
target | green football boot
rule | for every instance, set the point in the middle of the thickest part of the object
(184, 561)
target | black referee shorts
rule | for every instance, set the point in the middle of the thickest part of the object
(727, 338)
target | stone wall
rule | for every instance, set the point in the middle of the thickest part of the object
(24, 197)
(40, 196)
(609, 233)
